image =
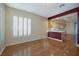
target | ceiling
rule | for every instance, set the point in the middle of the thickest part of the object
(44, 9)
(67, 18)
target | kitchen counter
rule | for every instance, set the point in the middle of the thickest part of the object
(58, 35)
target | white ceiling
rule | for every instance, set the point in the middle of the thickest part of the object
(44, 9)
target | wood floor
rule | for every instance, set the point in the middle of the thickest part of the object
(43, 47)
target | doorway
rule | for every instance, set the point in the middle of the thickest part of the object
(71, 30)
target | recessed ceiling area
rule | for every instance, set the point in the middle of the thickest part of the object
(44, 9)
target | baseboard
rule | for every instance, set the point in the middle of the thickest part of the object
(2, 51)
(21, 42)
(55, 39)
(14, 43)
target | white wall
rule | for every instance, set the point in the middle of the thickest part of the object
(2, 27)
(39, 26)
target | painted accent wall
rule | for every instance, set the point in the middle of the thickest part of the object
(50, 24)
(56, 24)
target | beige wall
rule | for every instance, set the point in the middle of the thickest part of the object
(70, 24)
(70, 28)
(2, 28)
(39, 26)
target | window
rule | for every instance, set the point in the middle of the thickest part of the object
(25, 26)
(29, 26)
(15, 26)
(21, 26)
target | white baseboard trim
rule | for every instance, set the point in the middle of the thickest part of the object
(14, 43)
(20, 42)
(55, 39)
(2, 51)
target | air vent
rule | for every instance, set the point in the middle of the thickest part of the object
(62, 5)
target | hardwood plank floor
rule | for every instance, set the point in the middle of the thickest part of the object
(43, 47)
